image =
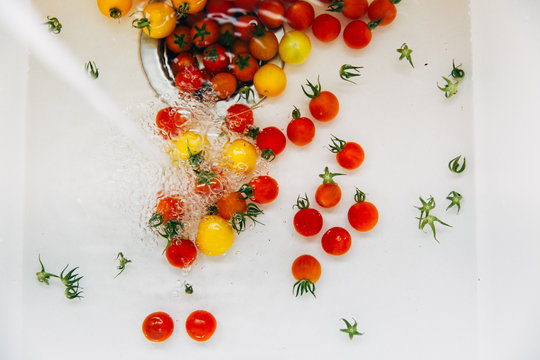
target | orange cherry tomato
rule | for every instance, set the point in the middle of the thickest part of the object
(300, 130)
(336, 241)
(328, 194)
(240, 46)
(307, 271)
(244, 66)
(189, 6)
(170, 208)
(181, 253)
(179, 40)
(204, 32)
(226, 35)
(324, 105)
(271, 13)
(224, 84)
(158, 326)
(264, 45)
(201, 325)
(230, 204)
(349, 154)
(383, 9)
(363, 216)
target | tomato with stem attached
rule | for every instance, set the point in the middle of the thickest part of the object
(208, 182)
(230, 204)
(294, 47)
(244, 66)
(181, 253)
(383, 9)
(158, 20)
(307, 271)
(243, 26)
(224, 84)
(189, 6)
(179, 40)
(169, 120)
(261, 189)
(324, 105)
(189, 79)
(114, 9)
(239, 118)
(182, 61)
(226, 35)
(158, 326)
(187, 144)
(271, 140)
(300, 15)
(271, 13)
(307, 221)
(241, 156)
(357, 34)
(215, 58)
(201, 325)
(204, 32)
(363, 216)
(349, 155)
(328, 194)
(300, 130)
(326, 27)
(352, 9)
(264, 44)
(170, 208)
(215, 235)
(336, 241)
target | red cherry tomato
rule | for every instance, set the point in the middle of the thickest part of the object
(328, 194)
(306, 267)
(300, 15)
(179, 40)
(383, 9)
(158, 326)
(204, 32)
(239, 118)
(336, 241)
(349, 154)
(170, 208)
(243, 26)
(357, 34)
(271, 13)
(181, 253)
(182, 61)
(363, 216)
(271, 138)
(326, 28)
(201, 325)
(244, 66)
(208, 182)
(324, 105)
(265, 189)
(300, 130)
(247, 5)
(352, 9)
(219, 10)
(215, 58)
(307, 221)
(189, 80)
(169, 120)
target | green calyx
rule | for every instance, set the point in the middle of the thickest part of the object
(180, 40)
(374, 23)
(405, 53)
(455, 200)
(238, 220)
(246, 92)
(457, 73)
(200, 32)
(54, 25)
(123, 261)
(71, 282)
(336, 6)
(142, 23)
(302, 202)
(246, 190)
(268, 154)
(296, 113)
(337, 144)
(115, 13)
(315, 89)
(304, 286)
(242, 61)
(454, 165)
(43, 276)
(351, 329)
(359, 196)
(328, 177)
(426, 219)
(347, 71)
(450, 88)
(92, 69)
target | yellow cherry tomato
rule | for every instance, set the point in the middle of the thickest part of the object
(215, 235)
(241, 156)
(114, 8)
(294, 47)
(188, 140)
(158, 21)
(189, 6)
(270, 80)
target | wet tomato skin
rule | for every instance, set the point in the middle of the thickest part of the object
(300, 15)
(308, 222)
(271, 138)
(181, 253)
(243, 26)
(189, 79)
(170, 208)
(231, 204)
(158, 326)
(169, 120)
(328, 195)
(215, 58)
(239, 118)
(351, 157)
(336, 241)
(224, 84)
(306, 267)
(363, 216)
(326, 27)
(271, 13)
(301, 131)
(324, 107)
(204, 32)
(265, 189)
(201, 325)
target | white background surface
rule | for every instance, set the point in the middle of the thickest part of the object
(506, 194)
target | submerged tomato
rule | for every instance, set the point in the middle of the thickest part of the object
(170, 208)
(182, 61)
(179, 40)
(239, 118)
(170, 120)
(224, 84)
(158, 326)
(201, 325)
(230, 204)
(189, 79)
(244, 66)
(215, 235)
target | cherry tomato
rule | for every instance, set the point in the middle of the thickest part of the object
(239, 118)
(169, 120)
(357, 34)
(265, 189)
(271, 13)
(204, 32)
(158, 21)
(270, 80)
(326, 28)
(189, 6)
(226, 35)
(181, 253)
(230, 204)
(349, 154)
(189, 80)
(328, 194)
(336, 241)
(219, 10)
(179, 40)
(246, 5)
(187, 144)
(300, 15)
(363, 216)
(240, 46)
(264, 45)
(208, 181)
(182, 61)
(243, 26)
(244, 66)
(383, 9)
(114, 9)
(300, 130)
(215, 58)
(224, 84)
(158, 326)
(215, 235)
(241, 156)
(294, 47)
(324, 105)
(201, 325)
(307, 271)
(271, 138)
(307, 221)
(352, 9)
(170, 208)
